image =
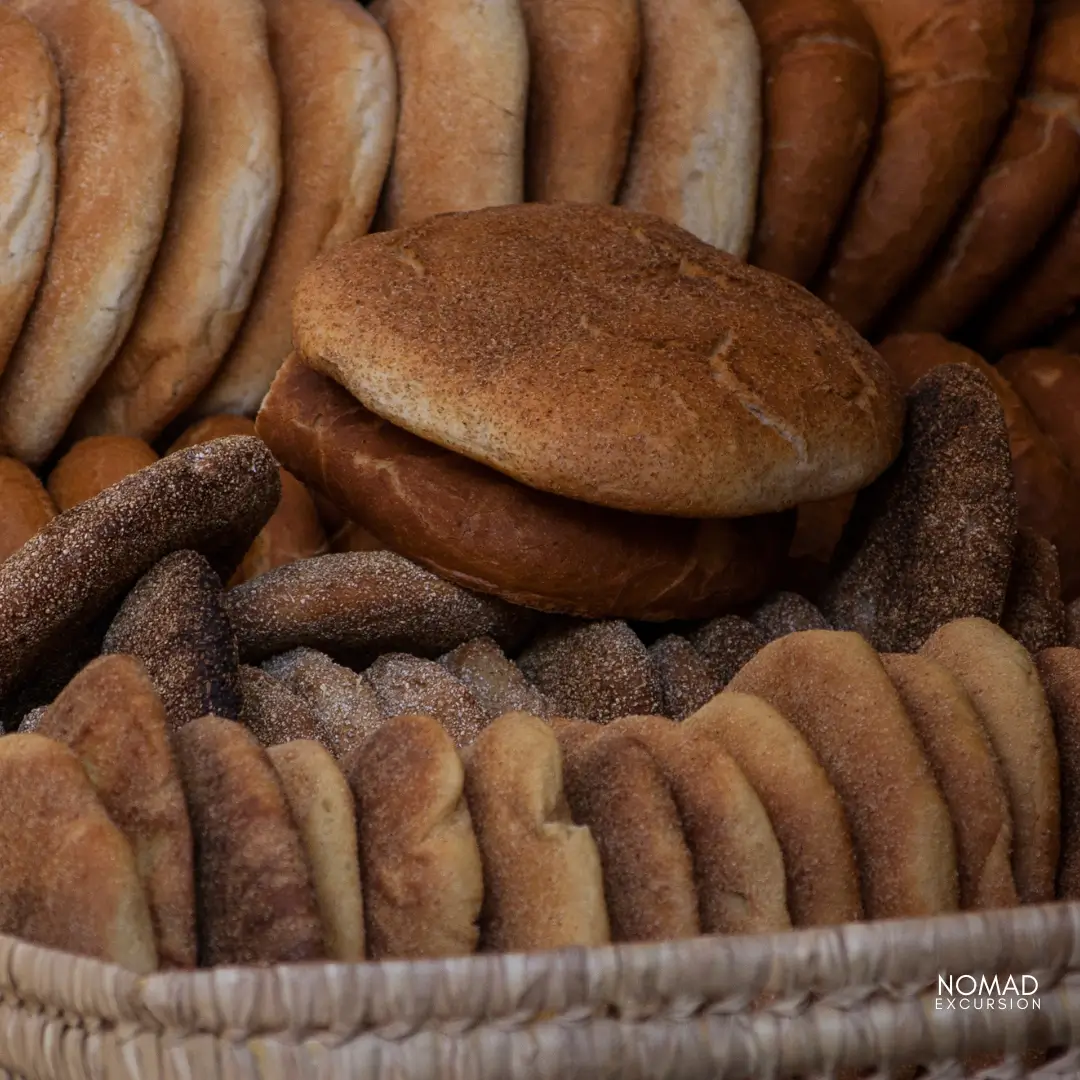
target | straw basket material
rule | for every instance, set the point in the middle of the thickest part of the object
(801, 1004)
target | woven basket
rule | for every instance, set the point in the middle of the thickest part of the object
(812, 1003)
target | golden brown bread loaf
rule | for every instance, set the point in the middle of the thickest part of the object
(94, 464)
(66, 853)
(485, 531)
(1028, 181)
(696, 148)
(822, 76)
(833, 688)
(935, 132)
(27, 506)
(335, 71)
(29, 122)
(221, 210)
(769, 398)
(113, 720)
(583, 64)
(1047, 494)
(121, 121)
(463, 83)
(1048, 381)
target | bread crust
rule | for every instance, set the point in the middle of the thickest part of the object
(821, 96)
(27, 506)
(335, 68)
(584, 61)
(29, 123)
(1048, 382)
(672, 380)
(485, 531)
(117, 152)
(221, 211)
(463, 76)
(696, 149)
(94, 464)
(907, 195)
(1029, 180)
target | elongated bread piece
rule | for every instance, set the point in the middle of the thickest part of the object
(1030, 179)
(463, 79)
(962, 759)
(228, 177)
(1003, 682)
(908, 195)
(584, 61)
(832, 687)
(335, 68)
(803, 806)
(696, 150)
(118, 145)
(543, 881)
(822, 76)
(29, 121)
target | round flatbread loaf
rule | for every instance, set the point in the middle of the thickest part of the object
(603, 355)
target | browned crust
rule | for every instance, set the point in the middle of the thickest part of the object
(833, 688)
(822, 85)
(112, 718)
(1048, 381)
(495, 681)
(1034, 610)
(483, 530)
(94, 464)
(686, 680)
(724, 391)
(27, 506)
(271, 710)
(906, 198)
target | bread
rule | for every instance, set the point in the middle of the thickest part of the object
(686, 682)
(583, 66)
(1034, 611)
(479, 528)
(696, 148)
(1042, 291)
(113, 720)
(593, 671)
(769, 399)
(463, 77)
(935, 133)
(335, 70)
(409, 685)
(1030, 178)
(495, 682)
(833, 688)
(616, 791)
(352, 537)
(324, 811)
(224, 197)
(29, 122)
(1048, 381)
(1047, 494)
(787, 613)
(1059, 670)
(363, 602)
(933, 539)
(256, 901)
(271, 711)
(818, 528)
(971, 781)
(419, 862)
(219, 426)
(725, 644)
(803, 807)
(27, 506)
(1003, 683)
(94, 464)
(738, 865)
(543, 881)
(821, 96)
(174, 621)
(65, 853)
(212, 499)
(342, 702)
(121, 121)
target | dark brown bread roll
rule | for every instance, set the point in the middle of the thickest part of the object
(686, 680)
(1034, 611)
(726, 644)
(496, 682)
(1048, 381)
(271, 711)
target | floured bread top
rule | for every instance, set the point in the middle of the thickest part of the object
(603, 355)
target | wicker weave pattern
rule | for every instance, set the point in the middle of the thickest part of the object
(774, 1006)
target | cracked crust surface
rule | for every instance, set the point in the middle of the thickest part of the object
(668, 378)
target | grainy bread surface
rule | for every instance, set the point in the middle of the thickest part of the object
(335, 69)
(603, 355)
(29, 123)
(495, 681)
(121, 121)
(271, 711)
(686, 682)
(726, 644)
(1034, 611)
